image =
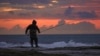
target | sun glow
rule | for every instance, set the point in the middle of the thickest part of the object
(8, 9)
(50, 4)
(39, 6)
(54, 1)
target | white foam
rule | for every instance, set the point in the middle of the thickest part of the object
(54, 45)
(71, 43)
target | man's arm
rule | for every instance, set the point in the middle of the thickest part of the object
(38, 29)
(27, 29)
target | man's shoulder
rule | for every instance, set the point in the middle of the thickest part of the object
(30, 25)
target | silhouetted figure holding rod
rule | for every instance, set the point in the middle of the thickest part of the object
(33, 29)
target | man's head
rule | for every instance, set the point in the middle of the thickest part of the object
(34, 22)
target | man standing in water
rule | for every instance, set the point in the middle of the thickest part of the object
(33, 29)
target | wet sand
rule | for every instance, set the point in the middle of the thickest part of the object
(75, 51)
(65, 51)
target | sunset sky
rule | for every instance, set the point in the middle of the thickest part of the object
(49, 13)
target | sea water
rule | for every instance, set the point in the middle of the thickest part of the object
(51, 41)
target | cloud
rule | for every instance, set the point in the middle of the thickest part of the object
(79, 28)
(42, 1)
(17, 29)
(41, 8)
(93, 1)
(14, 30)
(71, 13)
(85, 14)
(25, 1)
(83, 26)
(3, 30)
(87, 26)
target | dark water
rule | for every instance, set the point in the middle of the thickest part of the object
(51, 41)
(83, 38)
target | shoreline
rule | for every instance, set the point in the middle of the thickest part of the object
(65, 51)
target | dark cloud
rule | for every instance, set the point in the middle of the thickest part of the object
(24, 9)
(43, 1)
(93, 1)
(4, 1)
(25, 1)
(7, 15)
(69, 2)
(24, 14)
(9, 12)
(70, 13)
(85, 14)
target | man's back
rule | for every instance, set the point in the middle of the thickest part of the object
(33, 28)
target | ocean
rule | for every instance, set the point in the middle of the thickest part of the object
(52, 41)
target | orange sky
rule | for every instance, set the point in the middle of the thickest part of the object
(48, 22)
(24, 22)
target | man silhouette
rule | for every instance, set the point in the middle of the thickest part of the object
(33, 29)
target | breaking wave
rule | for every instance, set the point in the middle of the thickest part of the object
(71, 43)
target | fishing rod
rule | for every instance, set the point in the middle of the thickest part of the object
(52, 28)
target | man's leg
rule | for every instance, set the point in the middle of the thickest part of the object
(36, 42)
(31, 42)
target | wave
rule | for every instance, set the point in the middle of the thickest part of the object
(71, 43)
